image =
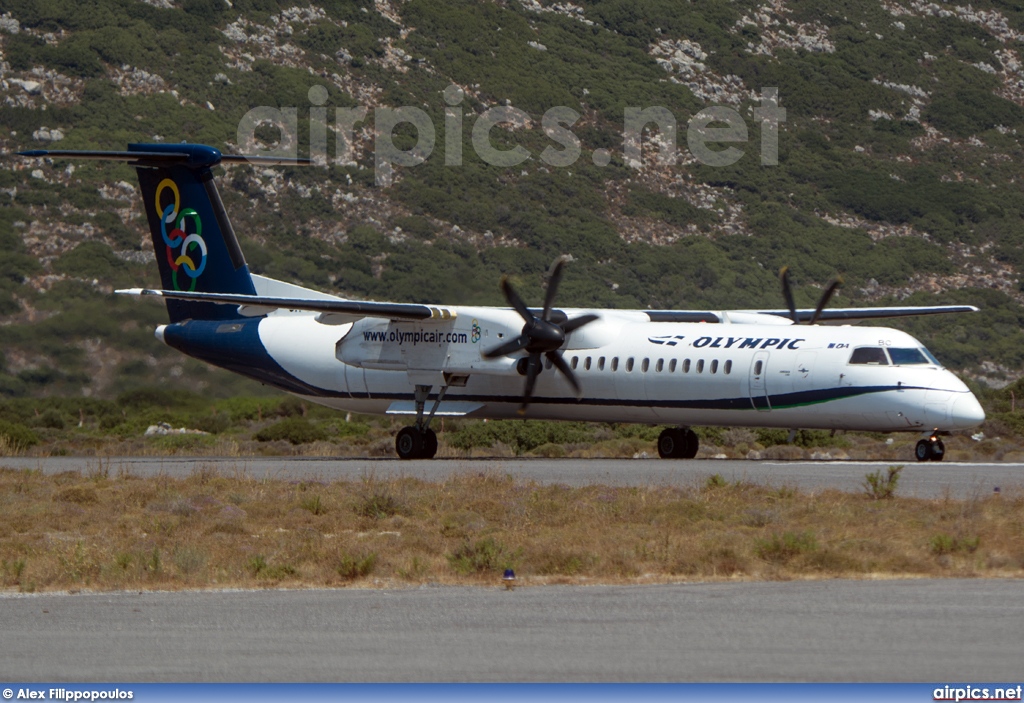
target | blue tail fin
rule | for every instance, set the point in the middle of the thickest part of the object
(196, 248)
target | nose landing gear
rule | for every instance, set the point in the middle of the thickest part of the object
(931, 449)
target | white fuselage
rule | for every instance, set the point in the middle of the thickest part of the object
(759, 373)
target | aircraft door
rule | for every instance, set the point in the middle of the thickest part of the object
(758, 383)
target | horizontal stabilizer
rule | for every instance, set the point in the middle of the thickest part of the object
(207, 156)
(355, 308)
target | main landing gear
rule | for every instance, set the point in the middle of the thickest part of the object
(419, 441)
(678, 443)
(412, 443)
(931, 449)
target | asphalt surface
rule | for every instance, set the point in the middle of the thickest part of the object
(926, 480)
(922, 630)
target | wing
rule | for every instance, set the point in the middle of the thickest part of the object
(339, 311)
(803, 315)
(870, 313)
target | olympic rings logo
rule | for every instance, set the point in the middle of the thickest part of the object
(190, 244)
(475, 336)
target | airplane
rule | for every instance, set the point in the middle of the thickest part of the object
(775, 368)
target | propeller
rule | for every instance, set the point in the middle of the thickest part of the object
(540, 335)
(787, 293)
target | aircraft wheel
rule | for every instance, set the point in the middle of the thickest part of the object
(671, 442)
(931, 449)
(429, 444)
(677, 443)
(692, 444)
(409, 443)
(923, 450)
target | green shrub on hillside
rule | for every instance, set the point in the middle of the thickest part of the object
(17, 437)
(296, 430)
(837, 156)
(520, 435)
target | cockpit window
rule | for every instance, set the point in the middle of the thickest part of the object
(931, 357)
(905, 356)
(869, 355)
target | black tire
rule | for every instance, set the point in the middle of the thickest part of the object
(923, 450)
(677, 443)
(691, 445)
(671, 442)
(938, 450)
(409, 443)
(429, 444)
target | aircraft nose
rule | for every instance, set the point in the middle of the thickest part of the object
(966, 412)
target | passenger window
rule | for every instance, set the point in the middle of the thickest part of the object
(686, 366)
(586, 364)
(672, 366)
(758, 367)
(629, 364)
(600, 364)
(714, 366)
(869, 355)
(575, 362)
(645, 365)
(700, 366)
(728, 366)
(615, 363)
(547, 363)
(660, 366)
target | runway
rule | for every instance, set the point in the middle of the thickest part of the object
(923, 630)
(925, 480)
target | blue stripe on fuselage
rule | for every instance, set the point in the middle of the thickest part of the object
(782, 401)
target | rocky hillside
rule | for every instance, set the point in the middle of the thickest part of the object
(897, 161)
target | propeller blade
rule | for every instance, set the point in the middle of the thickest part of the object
(554, 279)
(559, 363)
(509, 347)
(541, 335)
(514, 300)
(577, 322)
(533, 367)
(825, 297)
(787, 293)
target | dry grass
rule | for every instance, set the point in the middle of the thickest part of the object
(99, 531)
